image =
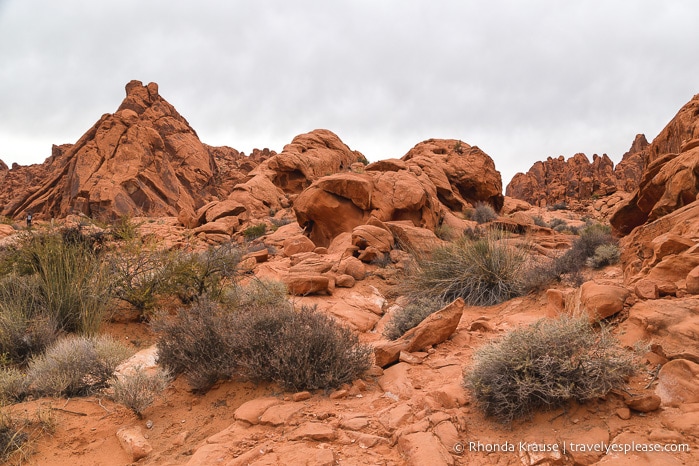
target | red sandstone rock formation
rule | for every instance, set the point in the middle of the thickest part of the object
(144, 159)
(576, 179)
(431, 177)
(671, 176)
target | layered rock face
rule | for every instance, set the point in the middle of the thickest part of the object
(144, 159)
(559, 180)
(670, 179)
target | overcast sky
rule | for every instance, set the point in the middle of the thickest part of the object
(523, 80)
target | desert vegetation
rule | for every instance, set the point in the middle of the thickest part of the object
(545, 365)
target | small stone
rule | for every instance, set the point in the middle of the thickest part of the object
(134, 443)
(149, 424)
(624, 413)
(643, 403)
(337, 394)
(300, 396)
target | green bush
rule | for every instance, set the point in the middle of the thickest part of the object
(139, 389)
(482, 271)
(410, 316)
(75, 365)
(299, 350)
(192, 275)
(483, 213)
(545, 365)
(255, 231)
(124, 229)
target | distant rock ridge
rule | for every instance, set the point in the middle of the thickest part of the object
(557, 180)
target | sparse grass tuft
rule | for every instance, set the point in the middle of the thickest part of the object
(13, 385)
(545, 365)
(483, 271)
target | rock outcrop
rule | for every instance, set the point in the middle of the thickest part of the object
(561, 181)
(434, 176)
(671, 176)
(144, 159)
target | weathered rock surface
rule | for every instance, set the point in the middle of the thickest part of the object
(671, 176)
(143, 159)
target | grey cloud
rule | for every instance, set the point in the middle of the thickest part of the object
(522, 80)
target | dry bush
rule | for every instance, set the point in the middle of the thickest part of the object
(13, 385)
(13, 440)
(483, 213)
(417, 310)
(139, 389)
(483, 271)
(256, 334)
(299, 350)
(545, 365)
(198, 342)
(574, 260)
(605, 254)
(75, 365)
(24, 329)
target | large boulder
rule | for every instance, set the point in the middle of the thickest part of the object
(338, 203)
(462, 174)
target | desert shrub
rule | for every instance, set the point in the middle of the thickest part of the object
(75, 365)
(279, 222)
(410, 316)
(444, 232)
(605, 254)
(124, 229)
(13, 385)
(544, 365)
(138, 390)
(191, 275)
(72, 282)
(558, 224)
(299, 350)
(559, 206)
(12, 440)
(573, 261)
(198, 342)
(254, 231)
(24, 329)
(139, 275)
(257, 293)
(540, 222)
(483, 271)
(483, 213)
